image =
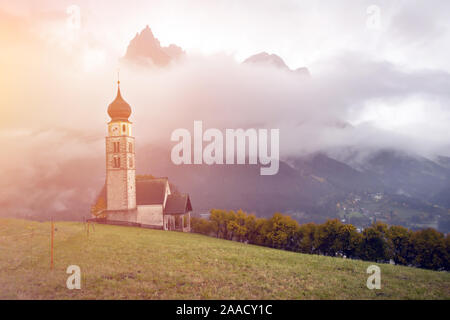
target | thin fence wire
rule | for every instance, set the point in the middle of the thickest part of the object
(16, 263)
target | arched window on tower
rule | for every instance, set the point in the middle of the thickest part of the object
(116, 162)
(116, 146)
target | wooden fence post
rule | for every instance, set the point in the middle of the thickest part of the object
(31, 242)
(51, 246)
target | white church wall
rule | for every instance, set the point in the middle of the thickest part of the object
(150, 215)
(167, 193)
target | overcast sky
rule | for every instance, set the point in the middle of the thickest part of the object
(411, 33)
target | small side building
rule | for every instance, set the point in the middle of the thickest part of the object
(177, 212)
(157, 207)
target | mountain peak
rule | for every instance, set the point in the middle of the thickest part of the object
(147, 30)
(264, 58)
(146, 49)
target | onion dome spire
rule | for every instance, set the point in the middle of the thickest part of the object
(119, 109)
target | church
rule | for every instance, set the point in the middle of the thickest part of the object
(136, 201)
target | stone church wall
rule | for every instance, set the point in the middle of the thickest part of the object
(126, 216)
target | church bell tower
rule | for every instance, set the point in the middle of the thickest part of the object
(120, 157)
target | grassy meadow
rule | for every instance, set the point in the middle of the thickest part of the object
(132, 263)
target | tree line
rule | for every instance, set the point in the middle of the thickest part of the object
(426, 248)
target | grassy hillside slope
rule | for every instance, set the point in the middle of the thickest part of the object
(132, 263)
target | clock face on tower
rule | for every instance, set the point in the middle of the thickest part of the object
(114, 130)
